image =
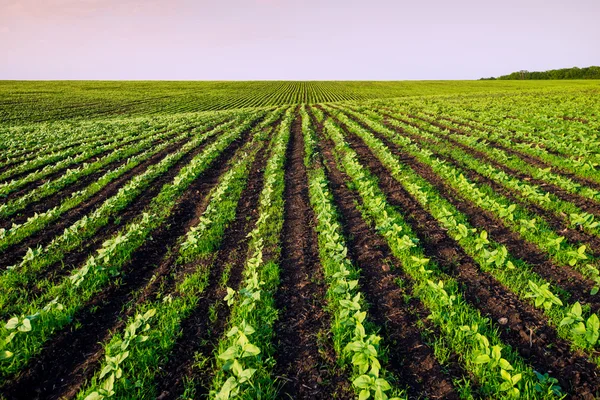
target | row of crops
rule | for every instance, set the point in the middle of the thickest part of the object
(427, 247)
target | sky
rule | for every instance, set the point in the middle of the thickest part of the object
(294, 39)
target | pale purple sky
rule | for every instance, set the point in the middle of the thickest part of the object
(296, 40)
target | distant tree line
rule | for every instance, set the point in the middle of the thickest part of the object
(564, 73)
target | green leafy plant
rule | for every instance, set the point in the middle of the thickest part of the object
(576, 255)
(372, 387)
(590, 330)
(547, 385)
(542, 295)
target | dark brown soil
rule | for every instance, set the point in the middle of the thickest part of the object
(301, 297)
(411, 360)
(75, 353)
(567, 118)
(199, 333)
(527, 328)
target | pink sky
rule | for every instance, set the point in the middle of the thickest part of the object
(297, 40)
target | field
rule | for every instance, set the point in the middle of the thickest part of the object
(300, 240)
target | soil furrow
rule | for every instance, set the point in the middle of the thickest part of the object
(526, 328)
(75, 353)
(411, 360)
(301, 297)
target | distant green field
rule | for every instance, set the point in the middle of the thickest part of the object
(36, 101)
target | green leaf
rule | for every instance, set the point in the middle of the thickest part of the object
(364, 394)
(566, 321)
(382, 384)
(141, 339)
(230, 297)
(229, 385)
(592, 326)
(362, 382)
(12, 323)
(229, 354)
(579, 329)
(539, 301)
(516, 378)
(25, 325)
(233, 331)
(10, 337)
(5, 355)
(593, 322)
(149, 314)
(576, 309)
(236, 368)
(109, 384)
(482, 359)
(361, 361)
(496, 352)
(375, 367)
(250, 350)
(121, 357)
(354, 346)
(505, 365)
(107, 369)
(246, 374)
(248, 329)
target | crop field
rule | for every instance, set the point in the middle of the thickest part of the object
(300, 240)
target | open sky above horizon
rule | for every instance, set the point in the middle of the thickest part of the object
(293, 40)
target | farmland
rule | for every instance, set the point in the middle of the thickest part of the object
(371, 240)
